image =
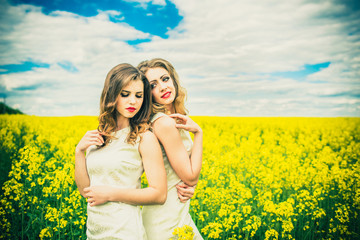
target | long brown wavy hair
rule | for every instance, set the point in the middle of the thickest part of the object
(180, 96)
(118, 78)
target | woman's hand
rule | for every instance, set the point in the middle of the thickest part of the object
(97, 195)
(90, 138)
(185, 122)
(185, 192)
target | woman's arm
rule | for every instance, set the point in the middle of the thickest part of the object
(187, 168)
(156, 191)
(81, 175)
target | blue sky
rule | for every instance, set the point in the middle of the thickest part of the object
(235, 58)
(162, 16)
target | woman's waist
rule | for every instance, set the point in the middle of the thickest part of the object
(172, 204)
(113, 208)
(116, 183)
(171, 178)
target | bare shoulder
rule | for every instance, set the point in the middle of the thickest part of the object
(164, 122)
(148, 136)
(148, 143)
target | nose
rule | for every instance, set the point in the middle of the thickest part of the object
(132, 100)
(162, 86)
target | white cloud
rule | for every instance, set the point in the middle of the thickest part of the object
(224, 52)
(145, 3)
(92, 45)
(62, 36)
(345, 72)
(256, 37)
(264, 96)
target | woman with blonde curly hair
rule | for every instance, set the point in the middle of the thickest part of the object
(118, 152)
(182, 157)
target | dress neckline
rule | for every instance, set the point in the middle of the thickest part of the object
(120, 131)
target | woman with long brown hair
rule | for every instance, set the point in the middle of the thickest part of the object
(117, 153)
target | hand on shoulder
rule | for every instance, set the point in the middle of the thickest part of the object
(185, 122)
(164, 122)
(92, 137)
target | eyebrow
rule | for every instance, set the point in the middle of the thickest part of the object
(164, 75)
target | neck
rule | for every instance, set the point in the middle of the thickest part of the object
(122, 122)
(170, 108)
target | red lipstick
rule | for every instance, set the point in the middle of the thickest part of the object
(131, 109)
(166, 95)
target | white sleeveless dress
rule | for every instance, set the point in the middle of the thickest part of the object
(161, 220)
(117, 164)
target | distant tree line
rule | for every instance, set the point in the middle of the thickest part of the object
(4, 109)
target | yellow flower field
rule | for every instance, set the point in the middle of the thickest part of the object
(262, 178)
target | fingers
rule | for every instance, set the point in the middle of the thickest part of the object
(101, 138)
(182, 185)
(94, 204)
(179, 118)
(94, 137)
(96, 140)
(186, 123)
(90, 198)
(179, 195)
(182, 126)
(93, 131)
(185, 192)
(182, 198)
(91, 201)
(88, 192)
(178, 115)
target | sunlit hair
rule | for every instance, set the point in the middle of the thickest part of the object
(180, 96)
(118, 78)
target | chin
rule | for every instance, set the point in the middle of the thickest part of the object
(170, 101)
(130, 115)
(167, 101)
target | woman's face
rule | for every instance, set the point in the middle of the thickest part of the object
(162, 86)
(130, 99)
